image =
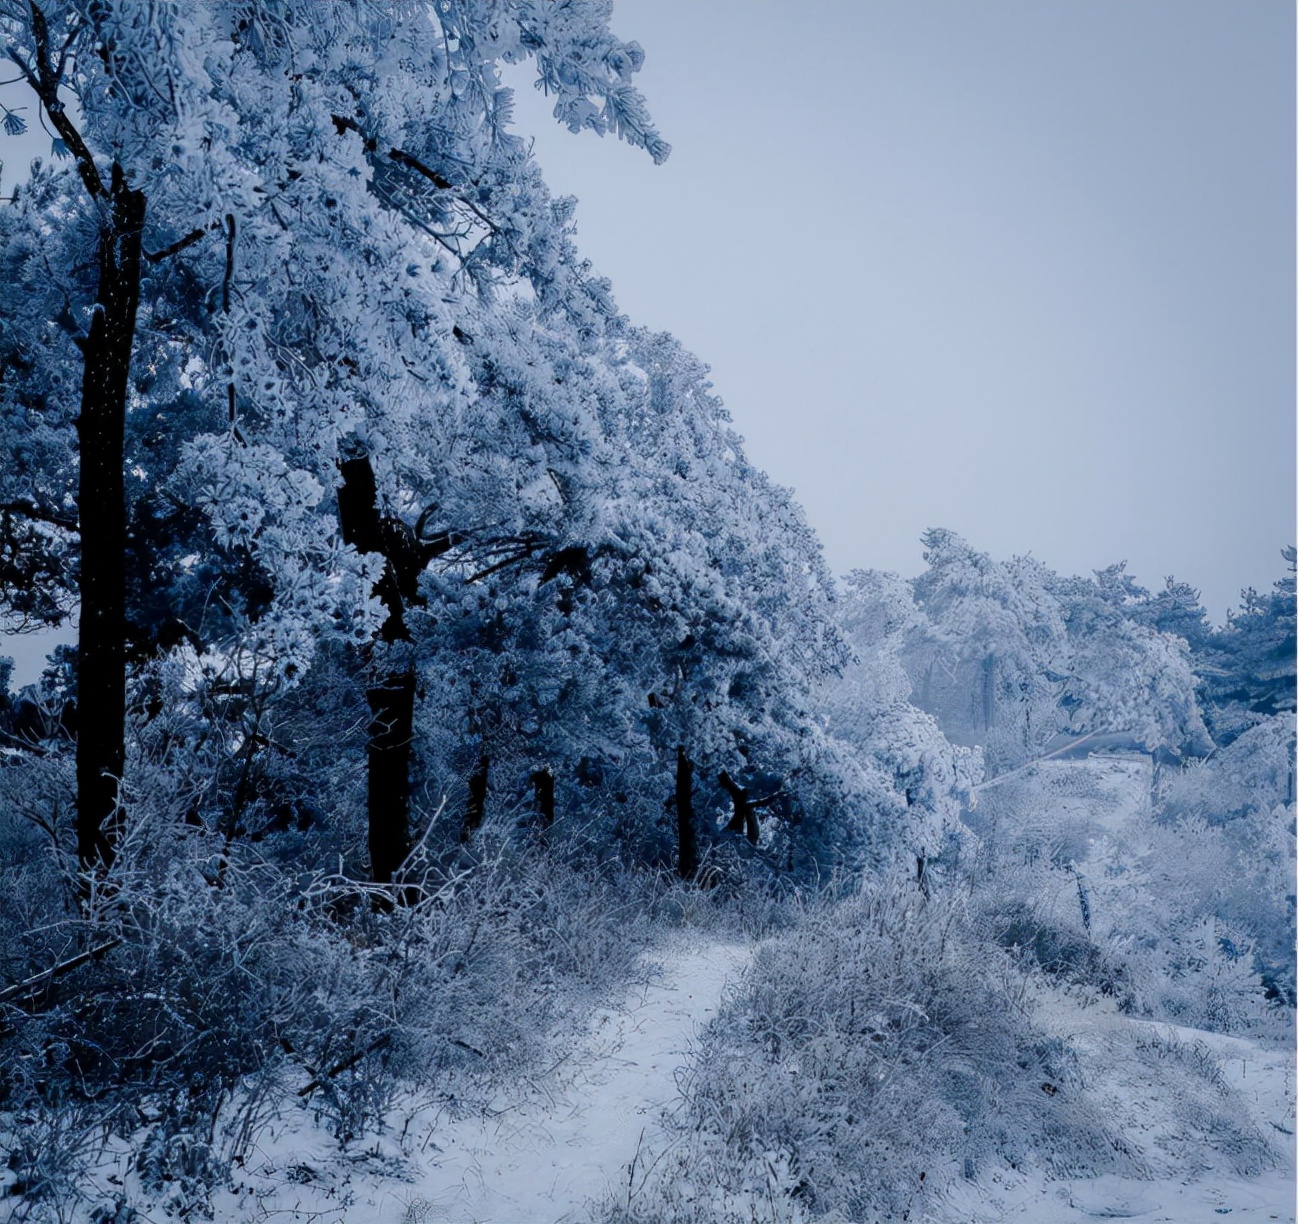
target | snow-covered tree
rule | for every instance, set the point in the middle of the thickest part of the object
(1248, 664)
(314, 207)
(991, 650)
(680, 631)
(925, 782)
(1010, 655)
(1124, 676)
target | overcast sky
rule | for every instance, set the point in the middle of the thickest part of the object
(1023, 269)
(1020, 269)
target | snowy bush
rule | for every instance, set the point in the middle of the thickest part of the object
(873, 1053)
(201, 985)
(1252, 774)
(1200, 915)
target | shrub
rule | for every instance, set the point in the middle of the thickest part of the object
(225, 982)
(874, 1051)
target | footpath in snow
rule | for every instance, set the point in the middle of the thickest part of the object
(541, 1154)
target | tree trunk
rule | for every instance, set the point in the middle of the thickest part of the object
(476, 806)
(543, 785)
(101, 504)
(744, 819)
(391, 695)
(687, 864)
(391, 729)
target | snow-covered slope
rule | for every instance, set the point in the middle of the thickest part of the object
(1122, 1057)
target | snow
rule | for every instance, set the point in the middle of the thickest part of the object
(545, 1150)
(542, 1151)
(1259, 1071)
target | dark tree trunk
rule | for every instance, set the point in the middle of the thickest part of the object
(366, 530)
(101, 504)
(543, 786)
(476, 806)
(391, 695)
(391, 729)
(744, 819)
(687, 864)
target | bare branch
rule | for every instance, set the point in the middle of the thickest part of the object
(45, 78)
(402, 158)
(347, 1063)
(40, 980)
(176, 247)
(411, 162)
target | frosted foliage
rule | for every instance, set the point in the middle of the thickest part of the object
(1252, 774)
(1009, 655)
(39, 400)
(990, 650)
(1196, 912)
(358, 258)
(353, 196)
(929, 780)
(1125, 676)
(690, 606)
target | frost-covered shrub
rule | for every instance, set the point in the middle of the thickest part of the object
(873, 1053)
(1251, 775)
(46, 1152)
(1202, 914)
(1201, 976)
(1060, 948)
(1180, 914)
(1030, 880)
(222, 982)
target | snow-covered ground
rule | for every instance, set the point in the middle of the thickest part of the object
(1260, 1076)
(542, 1152)
(589, 1126)
(545, 1151)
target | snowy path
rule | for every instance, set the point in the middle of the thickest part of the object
(544, 1160)
(547, 1149)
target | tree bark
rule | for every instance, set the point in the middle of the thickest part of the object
(390, 696)
(391, 730)
(101, 503)
(687, 864)
(476, 806)
(744, 819)
(543, 786)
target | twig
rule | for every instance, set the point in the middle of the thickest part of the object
(176, 247)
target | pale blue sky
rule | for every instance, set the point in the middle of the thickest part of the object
(1020, 268)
